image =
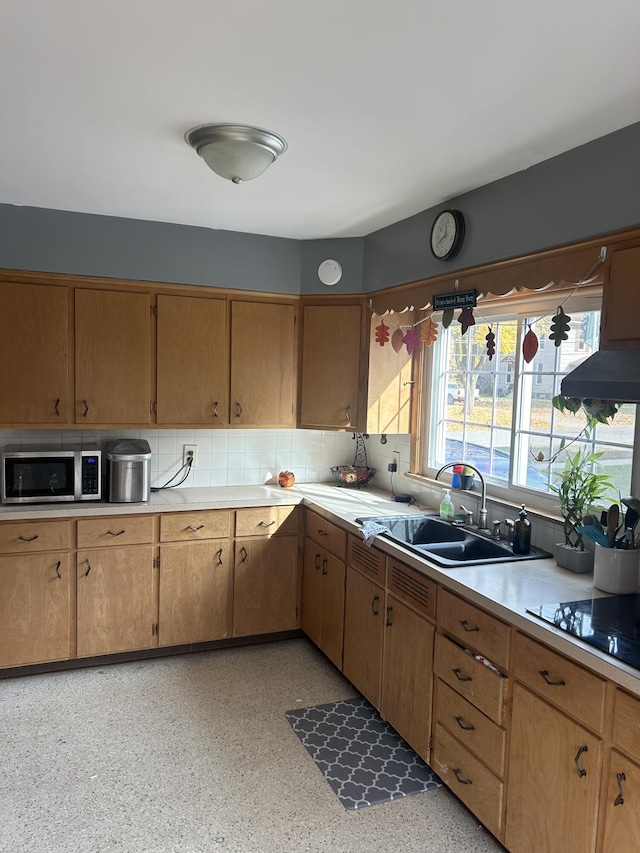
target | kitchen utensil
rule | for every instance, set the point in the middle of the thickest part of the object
(613, 516)
(630, 520)
(590, 531)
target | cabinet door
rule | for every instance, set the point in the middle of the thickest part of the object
(333, 595)
(112, 357)
(192, 361)
(194, 592)
(116, 601)
(262, 364)
(312, 590)
(363, 632)
(389, 382)
(34, 354)
(622, 820)
(330, 367)
(265, 596)
(407, 675)
(619, 325)
(554, 779)
(35, 609)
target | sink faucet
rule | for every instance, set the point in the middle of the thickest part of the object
(482, 512)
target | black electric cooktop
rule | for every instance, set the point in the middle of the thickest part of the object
(610, 624)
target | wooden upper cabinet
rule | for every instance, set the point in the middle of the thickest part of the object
(390, 384)
(619, 328)
(332, 383)
(113, 357)
(34, 354)
(192, 361)
(263, 364)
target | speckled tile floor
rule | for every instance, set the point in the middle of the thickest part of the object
(193, 754)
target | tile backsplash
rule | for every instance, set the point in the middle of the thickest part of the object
(225, 457)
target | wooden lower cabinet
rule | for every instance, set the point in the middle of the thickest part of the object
(195, 583)
(265, 593)
(622, 815)
(117, 602)
(363, 634)
(407, 674)
(35, 609)
(554, 780)
(323, 592)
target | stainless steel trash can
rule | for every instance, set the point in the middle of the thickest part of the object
(128, 471)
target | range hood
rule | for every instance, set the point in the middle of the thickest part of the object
(612, 374)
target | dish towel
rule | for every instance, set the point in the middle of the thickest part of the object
(371, 529)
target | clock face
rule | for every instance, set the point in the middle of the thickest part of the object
(447, 234)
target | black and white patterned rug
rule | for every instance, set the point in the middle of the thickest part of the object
(363, 759)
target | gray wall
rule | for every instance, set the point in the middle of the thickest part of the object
(592, 190)
(85, 244)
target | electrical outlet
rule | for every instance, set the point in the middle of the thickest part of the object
(190, 451)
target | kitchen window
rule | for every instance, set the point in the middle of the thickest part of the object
(503, 421)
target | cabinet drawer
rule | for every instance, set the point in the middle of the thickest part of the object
(204, 524)
(483, 687)
(369, 561)
(474, 628)
(327, 534)
(469, 779)
(626, 723)
(565, 684)
(412, 587)
(24, 537)
(117, 530)
(478, 733)
(267, 521)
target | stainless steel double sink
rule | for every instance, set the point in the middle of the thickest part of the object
(446, 544)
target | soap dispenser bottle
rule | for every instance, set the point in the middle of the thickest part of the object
(522, 533)
(446, 506)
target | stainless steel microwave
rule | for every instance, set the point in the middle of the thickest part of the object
(49, 475)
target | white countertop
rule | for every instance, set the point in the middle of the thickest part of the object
(504, 589)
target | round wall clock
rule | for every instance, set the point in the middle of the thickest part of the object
(330, 272)
(447, 234)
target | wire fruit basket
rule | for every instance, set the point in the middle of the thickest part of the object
(359, 473)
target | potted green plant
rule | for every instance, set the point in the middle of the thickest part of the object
(578, 488)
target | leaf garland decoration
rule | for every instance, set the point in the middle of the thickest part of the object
(490, 338)
(466, 318)
(429, 331)
(411, 340)
(529, 345)
(382, 333)
(559, 327)
(397, 340)
(447, 317)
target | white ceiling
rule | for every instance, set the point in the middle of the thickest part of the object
(389, 107)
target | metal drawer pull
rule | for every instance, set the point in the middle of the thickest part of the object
(243, 551)
(191, 527)
(266, 523)
(86, 408)
(28, 538)
(581, 771)
(322, 533)
(465, 625)
(119, 533)
(214, 409)
(219, 556)
(58, 570)
(457, 671)
(316, 562)
(457, 771)
(459, 721)
(374, 601)
(238, 410)
(86, 574)
(389, 622)
(57, 403)
(324, 566)
(619, 800)
(545, 674)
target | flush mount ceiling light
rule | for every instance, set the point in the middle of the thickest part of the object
(236, 152)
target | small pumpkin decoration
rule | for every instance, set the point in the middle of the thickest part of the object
(286, 479)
